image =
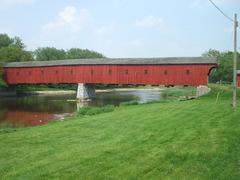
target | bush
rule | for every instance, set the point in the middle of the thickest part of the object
(157, 101)
(89, 111)
(129, 103)
(224, 70)
(179, 91)
(2, 82)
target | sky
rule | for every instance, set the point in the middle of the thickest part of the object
(122, 28)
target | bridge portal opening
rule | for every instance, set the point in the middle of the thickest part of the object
(212, 75)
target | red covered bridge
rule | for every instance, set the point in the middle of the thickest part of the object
(137, 71)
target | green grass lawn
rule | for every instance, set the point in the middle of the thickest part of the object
(197, 139)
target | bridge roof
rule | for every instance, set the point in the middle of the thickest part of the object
(117, 61)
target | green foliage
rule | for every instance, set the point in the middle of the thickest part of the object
(212, 53)
(224, 71)
(224, 90)
(129, 103)
(14, 54)
(2, 83)
(12, 49)
(49, 53)
(178, 91)
(5, 40)
(76, 53)
(18, 42)
(89, 111)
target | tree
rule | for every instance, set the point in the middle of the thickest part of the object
(212, 53)
(14, 54)
(224, 71)
(18, 42)
(49, 53)
(12, 49)
(5, 40)
(76, 53)
(2, 83)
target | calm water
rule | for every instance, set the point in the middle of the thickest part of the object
(37, 110)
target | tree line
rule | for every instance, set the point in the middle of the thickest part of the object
(12, 49)
(224, 71)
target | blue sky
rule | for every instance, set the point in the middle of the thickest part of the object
(122, 28)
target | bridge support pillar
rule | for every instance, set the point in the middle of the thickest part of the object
(86, 91)
(202, 90)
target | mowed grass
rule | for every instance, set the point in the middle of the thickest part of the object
(197, 139)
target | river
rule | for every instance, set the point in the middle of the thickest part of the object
(26, 111)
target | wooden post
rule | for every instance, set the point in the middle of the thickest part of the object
(235, 63)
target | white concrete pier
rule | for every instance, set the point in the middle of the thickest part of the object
(86, 91)
(202, 90)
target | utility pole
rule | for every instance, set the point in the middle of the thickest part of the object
(235, 63)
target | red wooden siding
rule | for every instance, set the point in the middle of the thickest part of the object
(184, 74)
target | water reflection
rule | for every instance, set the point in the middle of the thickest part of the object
(37, 110)
(24, 118)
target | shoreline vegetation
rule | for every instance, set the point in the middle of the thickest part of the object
(57, 91)
(62, 92)
(197, 139)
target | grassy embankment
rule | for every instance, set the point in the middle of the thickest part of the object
(197, 139)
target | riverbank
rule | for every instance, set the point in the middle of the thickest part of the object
(177, 89)
(69, 92)
(196, 139)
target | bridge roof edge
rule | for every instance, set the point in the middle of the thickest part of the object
(116, 61)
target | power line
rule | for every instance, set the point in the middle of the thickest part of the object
(229, 18)
(235, 22)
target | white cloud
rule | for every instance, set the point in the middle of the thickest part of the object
(11, 3)
(75, 20)
(74, 27)
(69, 18)
(150, 21)
(68, 14)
